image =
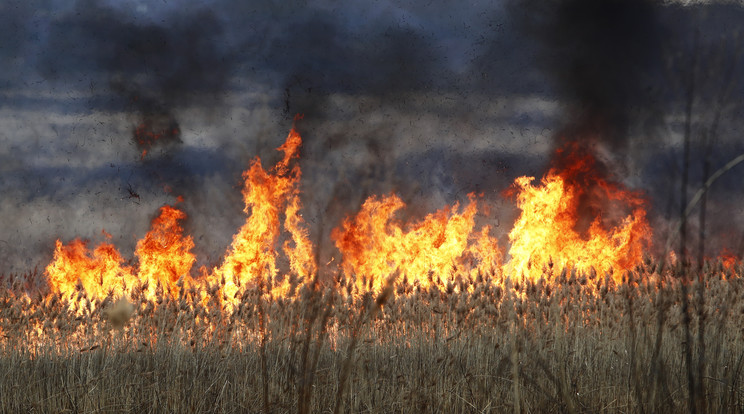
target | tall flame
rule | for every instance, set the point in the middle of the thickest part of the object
(165, 257)
(251, 258)
(548, 228)
(573, 218)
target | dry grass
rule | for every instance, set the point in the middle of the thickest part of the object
(568, 343)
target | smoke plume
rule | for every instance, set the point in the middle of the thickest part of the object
(113, 108)
(154, 67)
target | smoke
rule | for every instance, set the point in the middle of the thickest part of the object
(604, 59)
(153, 67)
(19, 20)
(418, 98)
(307, 57)
(624, 71)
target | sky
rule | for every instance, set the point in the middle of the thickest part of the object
(419, 98)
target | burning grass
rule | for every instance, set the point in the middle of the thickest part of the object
(373, 243)
(425, 316)
(581, 344)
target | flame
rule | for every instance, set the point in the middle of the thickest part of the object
(165, 257)
(251, 258)
(374, 244)
(164, 253)
(573, 218)
(99, 272)
(548, 230)
(301, 254)
(728, 258)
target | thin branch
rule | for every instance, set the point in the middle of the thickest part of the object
(699, 195)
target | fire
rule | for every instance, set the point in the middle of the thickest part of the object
(251, 258)
(728, 258)
(548, 230)
(165, 257)
(300, 255)
(573, 218)
(374, 244)
(99, 272)
(164, 253)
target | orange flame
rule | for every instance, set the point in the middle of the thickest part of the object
(98, 272)
(251, 258)
(728, 258)
(548, 229)
(573, 218)
(164, 256)
(164, 253)
(374, 244)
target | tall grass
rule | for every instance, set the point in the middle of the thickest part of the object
(566, 343)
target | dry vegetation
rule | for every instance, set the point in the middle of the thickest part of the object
(568, 343)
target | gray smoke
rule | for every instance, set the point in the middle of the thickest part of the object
(422, 99)
(153, 68)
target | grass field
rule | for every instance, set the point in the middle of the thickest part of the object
(568, 343)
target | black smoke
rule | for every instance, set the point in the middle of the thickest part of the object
(154, 68)
(425, 99)
(625, 72)
(604, 59)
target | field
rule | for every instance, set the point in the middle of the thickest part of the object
(566, 343)
(511, 207)
(416, 316)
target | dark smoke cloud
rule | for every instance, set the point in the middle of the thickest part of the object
(421, 98)
(624, 72)
(20, 21)
(604, 58)
(154, 67)
(317, 56)
(177, 60)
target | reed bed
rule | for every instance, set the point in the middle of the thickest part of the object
(475, 344)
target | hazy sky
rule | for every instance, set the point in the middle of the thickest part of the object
(421, 98)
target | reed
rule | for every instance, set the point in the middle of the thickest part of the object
(567, 342)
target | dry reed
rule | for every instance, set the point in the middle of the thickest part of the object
(565, 343)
